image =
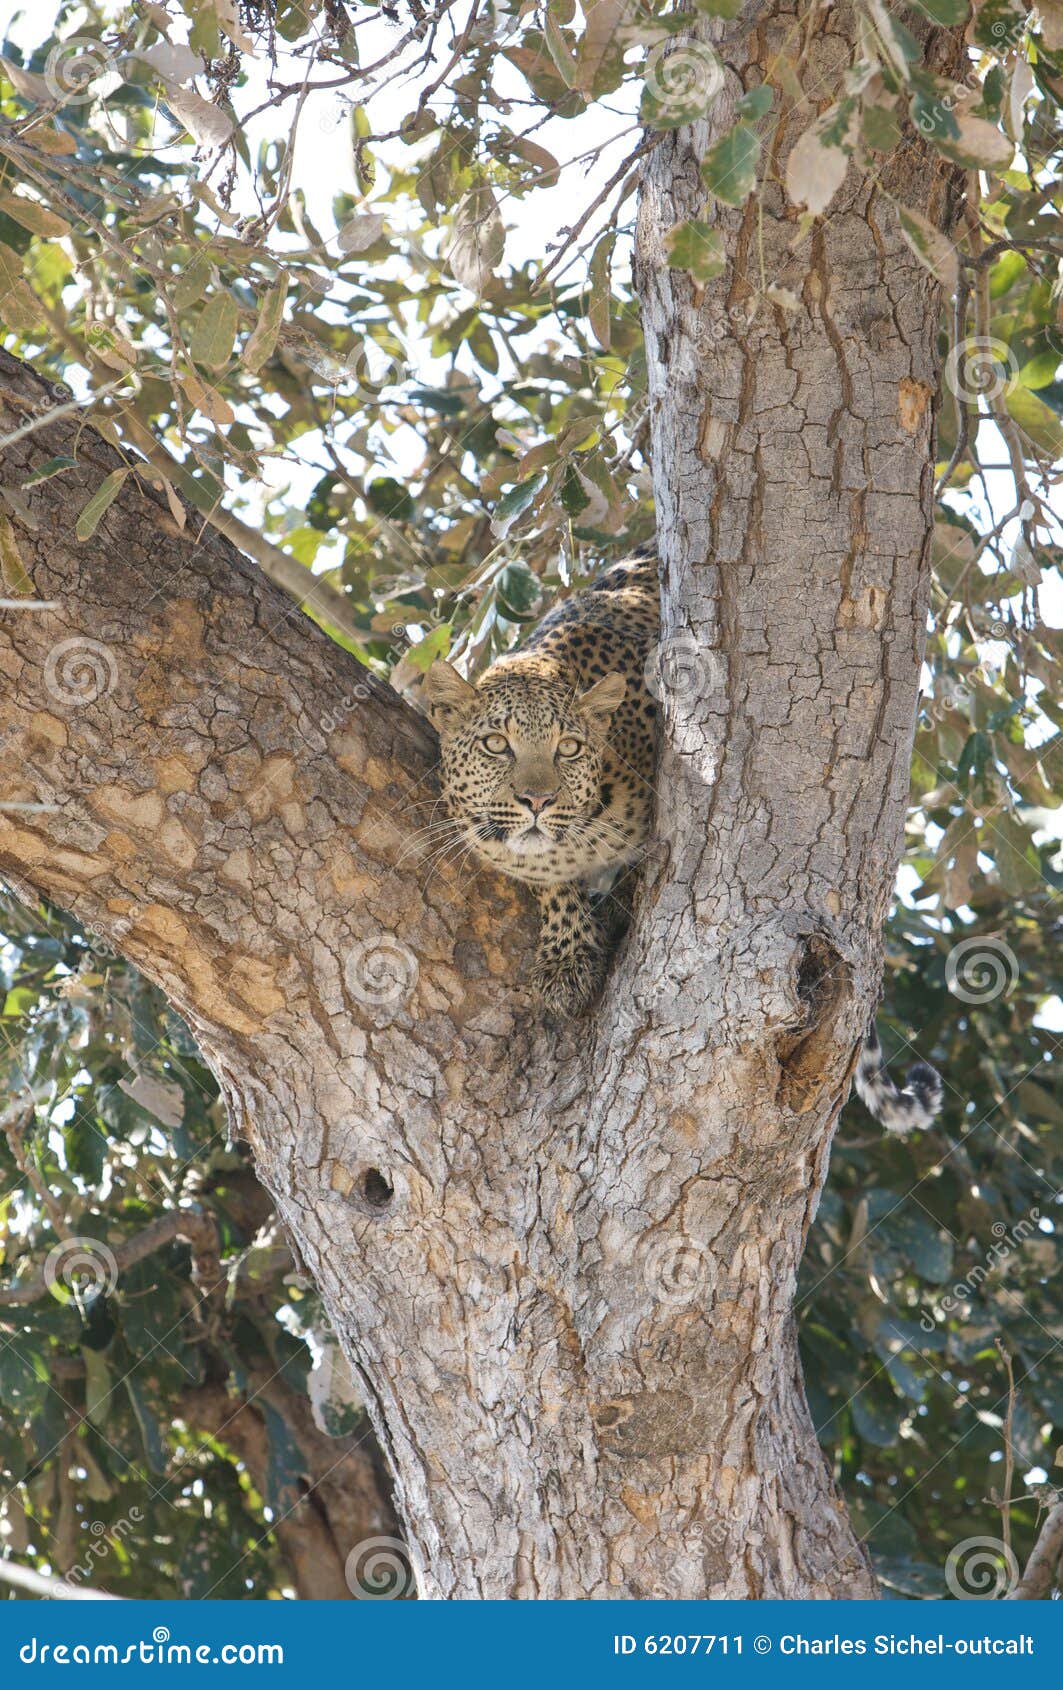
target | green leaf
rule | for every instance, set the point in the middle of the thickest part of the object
(910, 1383)
(436, 644)
(23, 1377)
(1036, 419)
(978, 146)
(945, 12)
(910, 1577)
(192, 283)
(1000, 24)
(729, 169)
(284, 1472)
(1040, 370)
(13, 573)
(215, 332)
(574, 496)
(390, 498)
(84, 1147)
(262, 338)
(600, 304)
(934, 116)
(20, 309)
(53, 466)
(877, 1417)
(757, 103)
(104, 496)
(880, 128)
(514, 503)
(697, 248)
(150, 1431)
(719, 8)
(930, 246)
(679, 84)
(97, 1387)
(519, 592)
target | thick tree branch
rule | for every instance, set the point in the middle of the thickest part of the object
(1042, 1568)
(200, 743)
(344, 1500)
(190, 1226)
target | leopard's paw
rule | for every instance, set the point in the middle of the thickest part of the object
(568, 985)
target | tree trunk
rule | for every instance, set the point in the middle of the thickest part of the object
(562, 1263)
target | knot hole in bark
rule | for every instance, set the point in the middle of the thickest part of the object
(376, 1189)
(366, 1186)
(805, 1052)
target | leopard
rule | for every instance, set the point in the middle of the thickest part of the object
(548, 765)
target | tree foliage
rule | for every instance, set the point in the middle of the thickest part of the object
(448, 436)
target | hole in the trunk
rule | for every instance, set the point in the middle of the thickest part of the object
(376, 1190)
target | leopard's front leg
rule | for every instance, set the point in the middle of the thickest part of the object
(571, 961)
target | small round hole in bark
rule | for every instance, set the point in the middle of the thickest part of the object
(376, 1190)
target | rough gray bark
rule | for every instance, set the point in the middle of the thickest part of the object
(562, 1263)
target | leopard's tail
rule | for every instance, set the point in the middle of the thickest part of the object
(900, 1109)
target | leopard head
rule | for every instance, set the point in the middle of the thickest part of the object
(522, 756)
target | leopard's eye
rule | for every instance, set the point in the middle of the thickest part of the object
(496, 744)
(569, 746)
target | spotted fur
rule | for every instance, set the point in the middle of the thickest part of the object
(900, 1109)
(548, 767)
(568, 824)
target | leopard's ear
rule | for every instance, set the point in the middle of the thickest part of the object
(447, 695)
(602, 698)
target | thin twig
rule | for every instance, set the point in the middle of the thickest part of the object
(1009, 1448)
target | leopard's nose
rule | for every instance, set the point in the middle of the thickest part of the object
(536, 801)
